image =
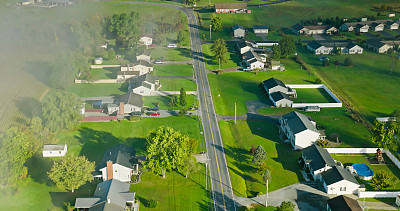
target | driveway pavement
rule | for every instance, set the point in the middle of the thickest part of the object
(177, 62)
(371, 36)
(322, 37)
(167, 113)
(386, 34)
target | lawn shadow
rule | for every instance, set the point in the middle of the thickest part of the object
(252, 87)
(124, 86)
(204, 205)
(60, 198)
(38, 168)
(29, 107)
(40, 70)
(111, 72)
(143, 201)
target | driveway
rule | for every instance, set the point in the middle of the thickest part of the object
(254, 105)
(167, 113)
(322, 37)
(177, 62)
(371, 36)
(386, 34)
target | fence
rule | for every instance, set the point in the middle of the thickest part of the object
(100, 81)
(352, 150)
(103, 66)
(378, 194)
(338, 103)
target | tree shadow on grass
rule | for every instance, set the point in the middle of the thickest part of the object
(253, 88)
(40, 70)
(111, 72)
(38, 168)
(29, 106)
(60, 198)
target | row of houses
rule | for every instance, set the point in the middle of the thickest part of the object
(365, 26)
(381, 46)
(240, 32)
(231, 8)
(331, 46)
(313, 29)
(252, 59)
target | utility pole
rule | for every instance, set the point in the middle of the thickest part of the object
(209, 2)
(266, 196)
(219, 63)
(210, 32)
(235, 113)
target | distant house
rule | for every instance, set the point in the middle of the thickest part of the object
(315, 29)
(231, 8)
(378, 27)
(390, 15)
(121, 163)
(110, 195)
(238, 31)
(275, 85)
(146, 40)
(362, 26)
(50, 150)
(143, 67)
(276, 65)
(58, 2)
(125, 104)
(328, 47)
(339, 181)
(253, 60)
(317, 160)
(98, 60)
(377, 46)
(343, 203)
(280, 99)
(392, 25)
(244, 46)
(299, 130)
(143, 56)
(144, 84)
(260, 29)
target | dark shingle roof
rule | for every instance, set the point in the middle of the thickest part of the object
(317, 157)
(318, 27)
(243, 44)
(260, 27)
(132, 98)
(273, 82)
(297, 27)
(235, 27)
(314, 44)
(336, 174)
(277, 96)
(140, 80)
(299, 122)
(344, 203)
(375, 43)
(367, 22)
(120, 154)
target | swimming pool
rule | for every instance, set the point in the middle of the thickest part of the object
(364, 171)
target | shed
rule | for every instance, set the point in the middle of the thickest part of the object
(312, 109)
(52, 150)
(98, 60)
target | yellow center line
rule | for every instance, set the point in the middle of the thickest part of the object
(209, 121)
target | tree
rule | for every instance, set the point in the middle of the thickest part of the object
(189, 166)
(323, 143)
(383, 134)
(381, 180)
(286, 206)
(219, 49)
(266, 179)
(191, 2)
(72, 172)
(181, 37)
(325, 63)
(61, 111)
(348, 62)
(216, 23)
(111, 54)
(166, 150)
(277, 52)
(259, 155)
(15, 149)
(172, 101)
(182, 97)
(182, 112)
(338, 51)
(125, 26)
(37, 133)
(192, 145)
(336, 63)
(287, 46)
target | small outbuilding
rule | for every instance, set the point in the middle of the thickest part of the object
(98, 60)
(312, 109)
(238, 31)
(52, 150)
(343, 203)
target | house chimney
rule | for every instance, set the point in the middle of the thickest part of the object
(121, 108)
(110, 170)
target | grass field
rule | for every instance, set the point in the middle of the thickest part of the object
(175, 84)
(171, 54)
(313, 96)
(173, 70)
(105, 73)
(390, 168)
(97, 90)
(243, 86)
(211, 64)
(151, 101)
(238, 140)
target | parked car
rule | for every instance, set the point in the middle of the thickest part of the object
(136, 113)
(160, 61)
(152, 45)
(153, 109)
(153, 113)
(172, 46)
(323, 58)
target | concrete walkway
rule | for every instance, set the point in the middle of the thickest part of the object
(166, 93)
(167, 113)
(175, 76)
(177, 62)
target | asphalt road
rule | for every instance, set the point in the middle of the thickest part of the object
(219, 174)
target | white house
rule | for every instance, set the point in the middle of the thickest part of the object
(343, 203)
(260, 29)
(299, 130)
(143, 56)
(328, 47)
(378, 27)
(119, 162)
(50, 150)
(238, 31)
(317, 160)
(244, 46)
(392, 25)
(315, 29)
(98, 60)
(143, 67)
(339, 181)
(144, 84)
(146, 40)
(109, 195)
(275, 85)
(377, 46)
(280, 99)
(252, 60)
(362, 26)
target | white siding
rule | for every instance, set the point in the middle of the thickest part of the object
(335, 188)
(305, 139)
(143, 57)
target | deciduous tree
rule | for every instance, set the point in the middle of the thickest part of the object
(287, 46)
(381, 180)
(125, 26)
(182, 97)
(216, 23)
(172, 101)
(383, 134)
(286, 206)
(181, 37)
(277, 52)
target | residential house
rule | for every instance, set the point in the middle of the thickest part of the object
(244, 46)
(129, 102)
(298, 29)
(253, 61)
(311, 30)
(339, 181)
(231, 8)
(59, 2)
(343, 203)
(98, 60)
(143, 67)
(143, 56)
(275, 85)
(390, 15)
(144, 84)
(317, 160)
(260, 29)
(378, 27)
(121, 163)
(146, 40)
(280, 99)
(377, 46)
(392, 25)
(257, 44)
(362, 26)
(51, 150)
(276, 65)
(110, 195)
(299, 130)
(329, 46)
(238, 31)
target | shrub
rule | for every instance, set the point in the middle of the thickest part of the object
(336, 63)
(317, 81)
(135, 118)
(152, 203)
(323, 143)
(220, 72)
(325, 63)
(348, 62)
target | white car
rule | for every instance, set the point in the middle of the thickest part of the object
(172, 46)
(159, 62)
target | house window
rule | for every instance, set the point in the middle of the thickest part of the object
(342, 188)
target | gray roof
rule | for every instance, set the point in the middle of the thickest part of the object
(330, 43)
(273, 82)
(277, 96)
(235, 27)
(114, 190)
(243, 44)
(367, 22)
(336, 174)
(297, 27)
(230, 6)
(51, 147)
(318, 27)
(144, 52)
(250, 55)
(344, 203)
(139, 81)
(260, 27)
(144, 63)
(375, 43)
(299, 122)
(120, 154)
(128, 72)
(112, 105)
(317, 157)
(132, 99)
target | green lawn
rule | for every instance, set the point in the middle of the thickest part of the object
(151, 101)
(98, 90)
(175, 84)
(171, 54)
(211, 63)
(173, 70)
(243, 86)
(282, 160)
(105, 73)
(313, 96)
(390, 168)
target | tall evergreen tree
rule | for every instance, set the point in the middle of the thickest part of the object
(259, 155)
(219, 49)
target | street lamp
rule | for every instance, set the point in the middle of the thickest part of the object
(210, 32)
